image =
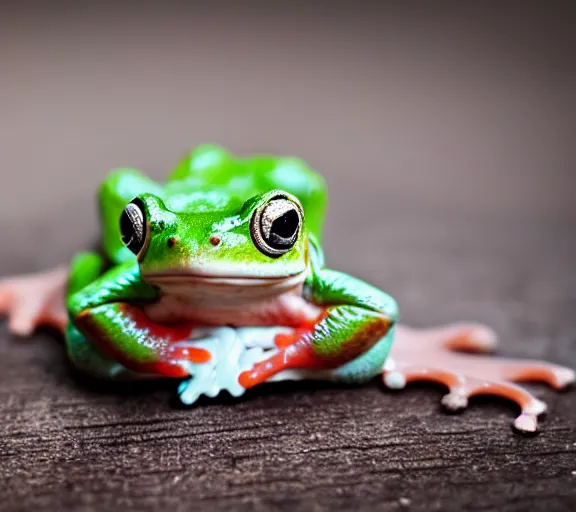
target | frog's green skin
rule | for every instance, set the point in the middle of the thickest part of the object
(200, 265)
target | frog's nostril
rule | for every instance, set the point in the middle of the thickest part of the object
(214, 240)
(172, 241)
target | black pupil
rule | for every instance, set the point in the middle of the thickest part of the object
(286, 225)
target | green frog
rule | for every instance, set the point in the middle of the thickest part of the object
(217, 278)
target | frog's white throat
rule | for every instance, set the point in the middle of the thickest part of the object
(228, 300)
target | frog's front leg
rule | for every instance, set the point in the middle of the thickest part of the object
(356, 324)
(108, 313)
(437, 355)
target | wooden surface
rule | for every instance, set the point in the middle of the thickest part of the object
(446, 136)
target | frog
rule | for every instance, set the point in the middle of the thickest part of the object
(217, 278)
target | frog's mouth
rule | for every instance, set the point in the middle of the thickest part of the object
(210, 291)
(227, 274)
(189, 278)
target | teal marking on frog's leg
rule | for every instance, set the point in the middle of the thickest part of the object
(116, 191)
(356, 317)
(88, 359)
(368, 365)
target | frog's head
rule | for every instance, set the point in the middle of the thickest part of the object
(217, 242)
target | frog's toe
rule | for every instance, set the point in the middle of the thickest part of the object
(397, 375)
(6, 298)
(565, 377)
(23, 310)
(394, 380)
(27, 315)
(469, 338)
(189, 391)
(34, 300)
(531, 407)
(203, 381)
(459, 337)
(455, 400)
(182, 386)
(557, 377)
(21, 323)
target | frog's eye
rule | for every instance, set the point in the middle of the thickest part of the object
(133, 226)
(275, 226)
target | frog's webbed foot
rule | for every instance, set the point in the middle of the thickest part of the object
(232, 352)
(436, 355)
(33, 300)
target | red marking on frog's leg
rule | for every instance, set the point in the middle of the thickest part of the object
(345, 336)
(33, 300)
(306, 325)
(187, 352)
(296, 355)
(125, 334)
(168, 341)
(429, 355)
(284, 340)
(295, 351)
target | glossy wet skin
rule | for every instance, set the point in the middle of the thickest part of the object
(217, 260)
(226, 241)
(218, 240)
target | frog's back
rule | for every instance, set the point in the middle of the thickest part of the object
(208, 172)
